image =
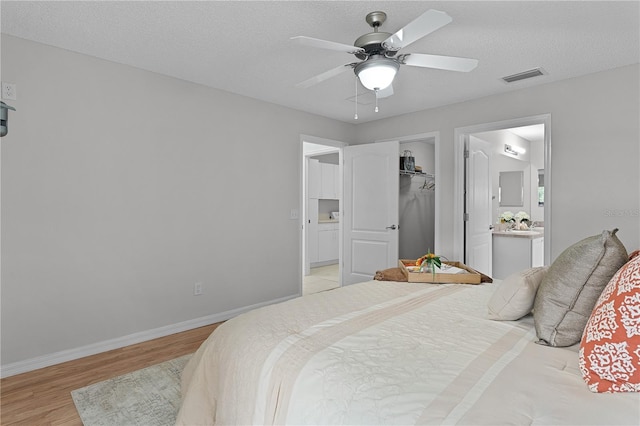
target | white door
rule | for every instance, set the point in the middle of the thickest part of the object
(312, 234)
(478, 253)
(370, 210)
(312, 192)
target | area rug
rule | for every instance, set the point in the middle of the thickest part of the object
(147, 397)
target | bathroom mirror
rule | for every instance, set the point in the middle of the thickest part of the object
(540, 187)
(511, 189)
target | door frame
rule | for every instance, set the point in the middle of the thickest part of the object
(438, 189)
(461, 134)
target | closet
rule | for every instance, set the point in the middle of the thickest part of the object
(417, 201)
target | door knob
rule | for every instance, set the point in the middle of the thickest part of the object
(392, 227)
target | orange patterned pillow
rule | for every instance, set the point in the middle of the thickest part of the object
(610, 346)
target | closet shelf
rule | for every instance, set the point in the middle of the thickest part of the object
(412, 174)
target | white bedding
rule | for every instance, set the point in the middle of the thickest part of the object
(389, 353)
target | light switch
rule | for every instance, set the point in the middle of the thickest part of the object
(293, 214)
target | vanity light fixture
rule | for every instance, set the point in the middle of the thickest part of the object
(514, 150)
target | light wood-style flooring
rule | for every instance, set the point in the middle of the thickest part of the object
(43, 397)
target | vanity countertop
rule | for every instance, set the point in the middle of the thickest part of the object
(328, 221)
(530, 234)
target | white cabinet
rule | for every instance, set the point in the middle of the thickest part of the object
(512, 254)
(313, 178)
(537, 252)
(329, 181)
(328, 246)
(323, 180)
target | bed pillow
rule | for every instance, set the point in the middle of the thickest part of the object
(572, 286)
(610, 346)
(515, 295)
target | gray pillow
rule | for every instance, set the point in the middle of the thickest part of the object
(572, 285)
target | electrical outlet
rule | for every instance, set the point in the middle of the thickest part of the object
(197, 289)
(8, 91)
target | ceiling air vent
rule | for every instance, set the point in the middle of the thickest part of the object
(523, 75)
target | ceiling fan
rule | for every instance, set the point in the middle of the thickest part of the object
(379, 52)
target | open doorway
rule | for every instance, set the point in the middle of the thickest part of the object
(503, 169)
(420, 194)
(321, 195)
(376, 209)
(416, 201)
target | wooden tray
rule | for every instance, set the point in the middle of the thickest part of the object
(472, 277)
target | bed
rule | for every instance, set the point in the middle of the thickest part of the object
(390, 353)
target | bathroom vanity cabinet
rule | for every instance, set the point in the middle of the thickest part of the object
(515, 251)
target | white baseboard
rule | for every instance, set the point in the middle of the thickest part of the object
(31, 364)
(324, 263)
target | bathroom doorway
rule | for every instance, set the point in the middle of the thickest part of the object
(522, 145)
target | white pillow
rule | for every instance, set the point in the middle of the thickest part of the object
(516, 294)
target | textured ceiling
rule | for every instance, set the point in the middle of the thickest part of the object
(243, 47)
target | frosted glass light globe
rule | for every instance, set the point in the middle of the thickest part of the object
(377, 73)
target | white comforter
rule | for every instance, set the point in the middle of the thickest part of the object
(389, 353)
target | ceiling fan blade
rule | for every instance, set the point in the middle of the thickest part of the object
(324, 44)
(450, 63)
(385, 93)
(424, 24)
(324, 76)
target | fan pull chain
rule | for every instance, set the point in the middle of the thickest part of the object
(376, 93)
(355, 117)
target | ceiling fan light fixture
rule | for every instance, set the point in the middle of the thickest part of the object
(377, 73)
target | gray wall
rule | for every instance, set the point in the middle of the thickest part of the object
(595, 137)
(122, 188)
